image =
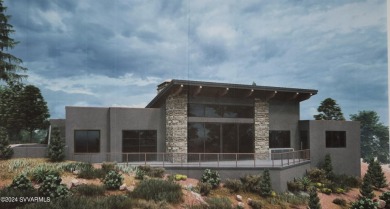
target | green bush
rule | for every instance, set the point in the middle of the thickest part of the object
(158, 190)
(234, 185)
(339, 191)
(204, 188)
(89, 172)
(219, 203)
(340, 201)
(89, 190)
(314, 201)
(180, 177)
(265, 184)
(317, 175)
(141, 171)
(326, 191)
(386, 197)
(364, 203)
(56, 149)
(211, 177)
(251, 183)
(52, 187)
(6, 151)
(150, 204)
(21, 182)
(346, 182)
(40, 173)
(113, 180)
(294, 186)
(16, 193)
(108, 166)
(75, 166)
(255, 204)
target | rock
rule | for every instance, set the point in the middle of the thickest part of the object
(249, 200)
(75, 182)
(122, 187)
(240, 205)
(381, 203)
(69, 185)
(304, 194)
(239, 198)
(130, 188)
(199, 198)
(76, 172)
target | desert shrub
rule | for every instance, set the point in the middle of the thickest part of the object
(52, 187)
(346, 182)
(292, 199)
(40, 173)
(314, 201)
(294, 186)
(234, 185)
(364, 203)
(339, 191)
(265, 184)
(251, 183)
(255, 204)
(158, 190)
(212, 177)
(386, 197)
(142, 170)
(21, 182)
(73, 166)
(218, 203)
(326, 191)
(15, 193)
(317, 175)
(89, 172)
(180, 177)
(204, 188)
(150, 204)
(108, 166)
(157, 172)
(89, 190)
(340, 201)
(113, 180)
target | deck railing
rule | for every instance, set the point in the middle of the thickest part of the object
(201, 159)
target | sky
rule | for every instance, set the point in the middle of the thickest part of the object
(115, 53)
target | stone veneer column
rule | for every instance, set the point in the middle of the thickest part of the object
(261, 128)
(176, 126)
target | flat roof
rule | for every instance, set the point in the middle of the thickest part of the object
(214, 89)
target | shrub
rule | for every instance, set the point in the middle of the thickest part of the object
(73, 166)
(326, 191)
(255, 204)
(339, 191)
(89, 190)
(340, 201)
(179, 177)
(40, 173)
(305, 182)
(6, 151)
(366, 188)
(89, 172)
(364, 203)
(16, 193)
(294, 186)
(377, 176)
(234, 185)
(251, 183)
(21, 182)
(386, 197)
(52, 187)
(211, 177)
(317, 175)
(346, 182)
(204, 188)
(265, 184)
(143, 204)
(156, 172)
(218, 203)
(139, 173)
(158, 190)
(107, 167)
(328, 168)
(113, 180)
(314, 201)
(56, 147)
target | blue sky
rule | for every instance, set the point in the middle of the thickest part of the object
(114, 53)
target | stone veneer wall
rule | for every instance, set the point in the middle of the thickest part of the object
(261, 128)
(176, 126)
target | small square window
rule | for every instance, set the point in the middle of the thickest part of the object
(336, 139)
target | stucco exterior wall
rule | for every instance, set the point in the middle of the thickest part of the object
(344, 160)
(284, 116)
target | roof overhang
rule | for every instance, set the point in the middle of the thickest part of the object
(212, 89)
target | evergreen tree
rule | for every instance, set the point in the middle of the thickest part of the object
(11, 114)
(34, 109)
(378, 178)
(328, 168)
(366, 190)
(56, 146)
(329, 110)
(9, 64)
(314, 201)
(265, 184)
(6, 151)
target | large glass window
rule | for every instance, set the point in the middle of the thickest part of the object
(336, 139)
(86, 141)
(219, 111)
(220, 138)
(139, 141)
(279, 139)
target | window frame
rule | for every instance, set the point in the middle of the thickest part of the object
(86, 130)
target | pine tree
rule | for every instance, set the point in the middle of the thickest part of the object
(366, 190)
(265, 184)
(9, 64)
(328, 168)
(56, 146)
(6, 151)
(314, 201)
(329, 110)
(378, 178)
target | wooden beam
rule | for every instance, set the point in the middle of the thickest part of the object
(178, 91)
(270, 96)
(197, 91)
(294, 96)
(249, 93)
(224, 92)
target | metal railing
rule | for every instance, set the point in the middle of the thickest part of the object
(200, 159)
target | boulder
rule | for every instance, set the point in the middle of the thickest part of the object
(240, 205)
(122, 187)
(239, 198)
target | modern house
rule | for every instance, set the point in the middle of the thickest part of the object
(192, 122)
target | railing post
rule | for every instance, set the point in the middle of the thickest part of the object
(199, 159)
(181, 159)
(163, 159)
(281, 159)
(127, 159)
(254, 160)
(236, 160)
(218, 159)
(145, 157)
